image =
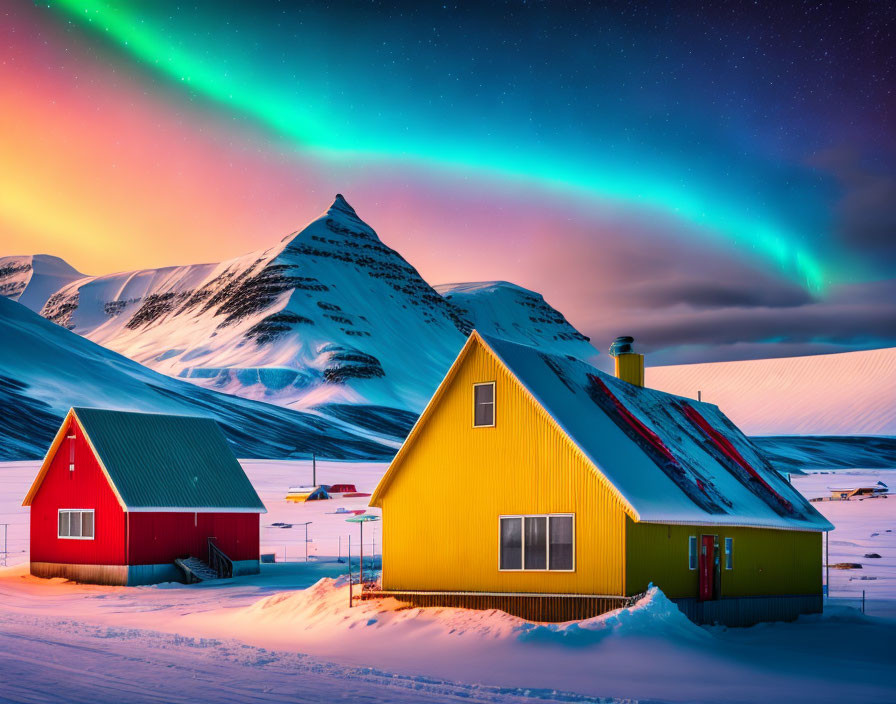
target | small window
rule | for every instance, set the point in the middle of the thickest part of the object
(729, 553)
(561, 543)
(484, 405)
(76, 524)
(692, 552)
(537, 543)
(511, 543)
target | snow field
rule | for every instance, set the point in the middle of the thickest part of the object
(793, 395)
(278, 636)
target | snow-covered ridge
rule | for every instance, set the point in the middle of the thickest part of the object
(328, 315)
(515, 313)
(848, 393)
(32, 279)
(48, 369)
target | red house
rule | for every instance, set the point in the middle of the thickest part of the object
(121, 496)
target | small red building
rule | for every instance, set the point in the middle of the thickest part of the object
(121, 496)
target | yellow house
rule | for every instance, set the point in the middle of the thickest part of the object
(539, 485)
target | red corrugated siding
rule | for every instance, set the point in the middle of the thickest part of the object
(161, 537)
(86, 487)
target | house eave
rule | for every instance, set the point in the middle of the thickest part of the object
(193, 509)
(738, 523)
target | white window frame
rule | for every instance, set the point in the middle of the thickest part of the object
(695, 553)
(79, 511)
(547, 563)
(494, 404)
(729, 553)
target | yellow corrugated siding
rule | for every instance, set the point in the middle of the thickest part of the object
(630, 368)
(442, 503)
(766, 562)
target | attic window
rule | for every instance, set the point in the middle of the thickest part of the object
(75, 524)
(484, 405)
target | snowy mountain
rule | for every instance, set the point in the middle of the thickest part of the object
(47, 369)
(515, 313)
(31, 280)
(330, 317)
(849, 393)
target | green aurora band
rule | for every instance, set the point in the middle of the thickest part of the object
(311, 130)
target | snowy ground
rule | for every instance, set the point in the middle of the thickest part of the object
(272, 638)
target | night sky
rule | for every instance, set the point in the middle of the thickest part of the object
(718, 180)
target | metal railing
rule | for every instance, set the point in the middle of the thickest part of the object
(218, 561)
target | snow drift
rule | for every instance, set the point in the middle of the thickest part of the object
(323, 608)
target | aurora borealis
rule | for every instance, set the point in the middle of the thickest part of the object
(720, 182)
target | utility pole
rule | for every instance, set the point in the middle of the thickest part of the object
(306, 538)
(313, 470)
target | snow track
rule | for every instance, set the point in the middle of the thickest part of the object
(45, 659)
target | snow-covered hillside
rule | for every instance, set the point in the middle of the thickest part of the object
(45, 369)
(32, 279)
(503, 309)
(850, 393)
(329, 317)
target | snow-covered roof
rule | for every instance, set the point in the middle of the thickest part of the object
(672, 459)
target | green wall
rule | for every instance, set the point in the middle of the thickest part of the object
(766, 562)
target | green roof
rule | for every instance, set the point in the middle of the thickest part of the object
(162, 462)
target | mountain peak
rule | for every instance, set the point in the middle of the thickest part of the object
(340, 204)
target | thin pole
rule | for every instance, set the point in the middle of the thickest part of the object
(863, 601)
(349, 570)
(361, 568)
(313, 470)
(339, 551)
(827, 564)
(306, 542)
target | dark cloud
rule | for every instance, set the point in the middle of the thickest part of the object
(866, 211)
(687, 299)
(762, 292)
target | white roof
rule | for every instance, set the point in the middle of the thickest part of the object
(699, 485)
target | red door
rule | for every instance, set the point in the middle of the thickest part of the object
(706, 567)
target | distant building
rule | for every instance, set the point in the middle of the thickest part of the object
(301, 494)
(121, 496)
(849, 492)
(536, 484)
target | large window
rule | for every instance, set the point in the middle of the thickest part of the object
(729, 553)
(484, 405)
(545, 542)
(692, 552)
(76, 523)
